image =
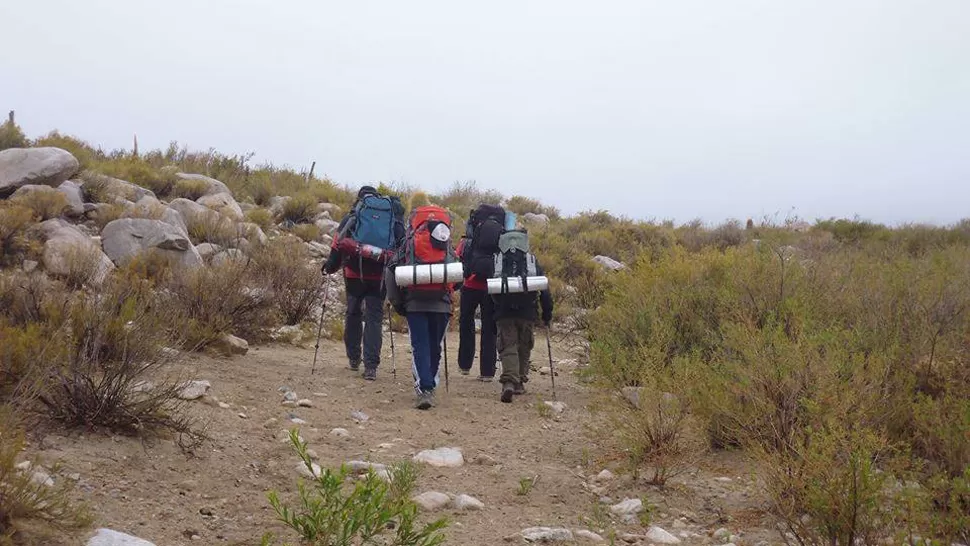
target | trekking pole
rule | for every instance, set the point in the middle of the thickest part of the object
(323, 311)
(390, 331)
(552, 369)
(448, 327)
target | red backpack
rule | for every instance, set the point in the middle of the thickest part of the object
(429, 241)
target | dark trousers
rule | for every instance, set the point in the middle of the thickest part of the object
(365, 316)
(515, 340)
(470, 301)
(427, 330)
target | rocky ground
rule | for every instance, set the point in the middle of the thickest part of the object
(217, 495)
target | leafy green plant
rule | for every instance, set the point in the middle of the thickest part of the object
(300, 209)
(331, 512)
(526, 485)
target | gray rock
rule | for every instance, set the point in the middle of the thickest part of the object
(69, 252)
(115, 190)
(467, 502)
(213, 186)
(608, 263)
(556, 407)
(290, 396)
(107, 537)
(588, 535)
(126, 238)
(223, 203)
(628, 509)
(40, 166)
(431, 501)
(252, 232)
(276, 204)
(604, 476)
(304, 403)
(27, 191)
(230, 345)
(174, 218)
(313, 472)
(340, 433)
(75, 197)
(229, 256)
(327, 227)
(359, 416)
(29, 266)
(721, 534)
(207, 250)
(330, 208)
(657, 535)
(441, 457)
(193, 212)
(547, 534)
(533, 218)
(193, 390)
(632, 394)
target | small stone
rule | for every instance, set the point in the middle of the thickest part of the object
(288, 404)
(604, 476)
(24, 466)
(556, 407)
(441, 457)
(467, 502)
(243, 416)
(723, 479)
(359, 416)
(40, 477)
(547, 534)
(431, 501)
(75, 477)
(305, 403)
(29, 265)
(340, 433)
(721, 534)
(224, 405)
(306, 472)
(297, 421)
(657, 535)
(631, 538)
(680, 524)
(546, 370)
(588, 535)
(290, 396)
(193, 390)
(270, 423)
(314, 456)
(734, 538)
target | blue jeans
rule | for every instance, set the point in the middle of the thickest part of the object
(427, 330)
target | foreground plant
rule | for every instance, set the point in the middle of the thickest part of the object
(332, 512)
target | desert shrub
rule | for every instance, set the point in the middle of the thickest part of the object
(523, 205)
(221, 299)
(116, 341)
(190, 189)
(85, 154)
(301, 209)
(44, 204)
(260, 188)
(29, 507)
(466, 195)
(105, 214)
(15, 219)
(11, 136)
(307, 232)
(296, 284)
(33, 298)
(153, 266)
(261, 217)
(214, 228)
(851, 231)
(372, 510)
(84, 267)
(138, 171)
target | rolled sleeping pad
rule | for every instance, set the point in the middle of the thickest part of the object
(535, 284)
(408, 275)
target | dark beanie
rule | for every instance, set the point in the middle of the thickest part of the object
(366, 190)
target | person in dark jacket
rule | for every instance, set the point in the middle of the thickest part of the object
(427, 313)
(515, 317)
(474, 296)
(363, 281)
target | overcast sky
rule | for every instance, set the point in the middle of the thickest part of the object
(653, 109)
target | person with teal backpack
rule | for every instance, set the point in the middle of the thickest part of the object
(366, 239)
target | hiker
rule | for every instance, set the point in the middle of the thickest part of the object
(422, 297)
(514, 268)
(365, 241)
(477, 250)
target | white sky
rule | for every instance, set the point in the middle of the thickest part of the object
(653, 109)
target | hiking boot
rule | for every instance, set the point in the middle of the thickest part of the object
(424, 401)
(370, 374)
(354, 365)
(508, 389)
(464, 372)
(519, 389)
(486, 378)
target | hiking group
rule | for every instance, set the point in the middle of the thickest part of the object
(413, 265)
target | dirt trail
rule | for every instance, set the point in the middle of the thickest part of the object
(159, 494)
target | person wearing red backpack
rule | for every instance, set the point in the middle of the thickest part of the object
(424, 297)
(365, 241)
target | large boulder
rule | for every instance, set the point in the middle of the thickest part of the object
(68, 252)
(125, 238)
(533, 218)
(252, 232)
(75, 197)
(327, 227)
(276, 204)
(39, 166)
(608, 263)
(212, 186)
(45, 195)
(223, 203)
(106, 189)
(191, 211)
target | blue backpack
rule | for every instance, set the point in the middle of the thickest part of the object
(374, 220)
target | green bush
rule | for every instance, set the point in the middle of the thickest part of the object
(15, 219)
(371, 511)
(300, 209)
(44, 204)
(261, 217)
(11, 136)
(86, 155)
(140, 172)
